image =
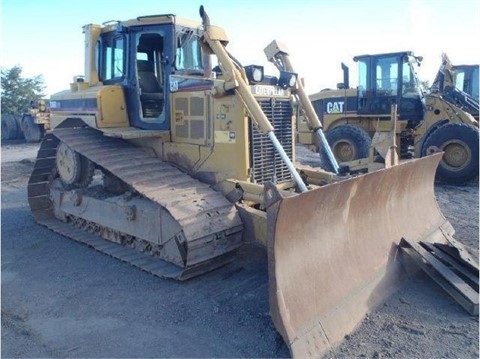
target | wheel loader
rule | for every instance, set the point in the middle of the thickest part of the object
(458, 84)
(36, 121)
(162, 160)
(426, 123)
(30, 125)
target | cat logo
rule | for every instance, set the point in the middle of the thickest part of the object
(335, 107)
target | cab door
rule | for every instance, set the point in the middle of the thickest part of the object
(378, 84)
(149, 66)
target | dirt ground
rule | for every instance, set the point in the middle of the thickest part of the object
(63, 299)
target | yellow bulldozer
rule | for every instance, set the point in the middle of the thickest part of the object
(425, 123)
(162, 160)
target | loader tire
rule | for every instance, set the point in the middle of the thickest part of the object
(348, 143)
(10, 129)
(32, 131)
(459, 164)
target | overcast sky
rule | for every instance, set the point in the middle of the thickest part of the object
(45, 37)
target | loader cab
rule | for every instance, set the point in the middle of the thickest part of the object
(388, 79)
(140, 55)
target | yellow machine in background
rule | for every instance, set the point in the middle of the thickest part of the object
(427, 123)
(458, 84)
(161, 161)
(30, 126)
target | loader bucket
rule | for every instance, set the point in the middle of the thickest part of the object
(333, 251)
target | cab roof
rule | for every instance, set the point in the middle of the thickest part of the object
(151, 20)
(401, 53)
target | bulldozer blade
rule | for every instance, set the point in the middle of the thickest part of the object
(333, 252)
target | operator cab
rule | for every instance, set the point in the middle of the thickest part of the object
(140, 55)
(387, 79)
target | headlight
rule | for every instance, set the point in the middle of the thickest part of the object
(287, 79)
(254, 73)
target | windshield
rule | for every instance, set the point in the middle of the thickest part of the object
(467, 81)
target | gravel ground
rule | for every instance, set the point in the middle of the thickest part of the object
(63, 299)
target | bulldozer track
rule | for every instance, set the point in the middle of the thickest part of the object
(191, 202)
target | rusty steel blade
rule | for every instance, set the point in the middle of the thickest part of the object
(333, 253)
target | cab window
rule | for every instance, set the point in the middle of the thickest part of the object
(113, 59)
(188, 55)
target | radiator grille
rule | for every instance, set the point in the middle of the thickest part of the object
(266, 163)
